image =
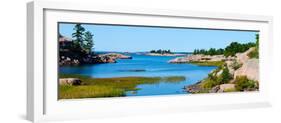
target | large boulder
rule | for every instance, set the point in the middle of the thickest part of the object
(243, 57)
(250, 68)
(69, 81)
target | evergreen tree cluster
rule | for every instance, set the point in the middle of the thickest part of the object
(211, 51)
(230, 50)
(82, 39)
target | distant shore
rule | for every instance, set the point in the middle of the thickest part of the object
(165, 54)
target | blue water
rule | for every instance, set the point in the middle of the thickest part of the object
(153, 66)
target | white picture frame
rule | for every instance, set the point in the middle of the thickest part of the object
(42, 103)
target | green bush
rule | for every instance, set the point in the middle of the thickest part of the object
(242, 83)
(235, 65)
(225, 77)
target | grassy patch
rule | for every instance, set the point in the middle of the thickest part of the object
(72, 92)
(208, 63)
(108, 87)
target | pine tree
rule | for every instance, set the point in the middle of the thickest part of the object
(78, 35)
(225, 76)
(88, 41)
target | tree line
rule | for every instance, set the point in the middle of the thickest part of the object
(161, 51)
(230, 50)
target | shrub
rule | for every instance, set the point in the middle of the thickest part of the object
(244, 84)
(235, 65)
(225, 77)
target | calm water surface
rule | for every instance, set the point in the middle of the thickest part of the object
(148, 66)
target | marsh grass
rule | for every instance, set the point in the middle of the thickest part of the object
(208, 63)
(108, 87)
(72, 92)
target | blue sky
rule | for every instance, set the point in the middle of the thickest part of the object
(135, 39)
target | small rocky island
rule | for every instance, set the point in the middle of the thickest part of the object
(163, 53)
(237, 68)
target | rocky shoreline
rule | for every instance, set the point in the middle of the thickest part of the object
(71, 55)
(201, 58)
(116, 56)
(238, 66)
(92, 59)
(196, 88)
